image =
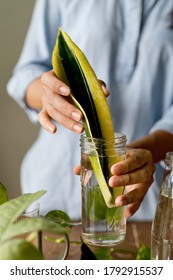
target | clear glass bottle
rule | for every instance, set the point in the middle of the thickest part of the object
(101, 225)
(162, 226)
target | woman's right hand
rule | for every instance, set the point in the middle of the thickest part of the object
(57, 105)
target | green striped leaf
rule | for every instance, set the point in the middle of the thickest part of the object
(73, 68)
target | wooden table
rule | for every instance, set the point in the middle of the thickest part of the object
(138, 233)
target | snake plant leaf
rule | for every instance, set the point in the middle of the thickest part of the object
(19, 249)
(72, 67)
(3, 194)
(10, 210)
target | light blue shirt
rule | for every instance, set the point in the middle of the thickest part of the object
(130, 46)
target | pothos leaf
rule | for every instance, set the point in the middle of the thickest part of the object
(144, 253)
(19, 249)
(59, 217)
(34, 224)
(3, 194)
(103, 254)
(13, 208)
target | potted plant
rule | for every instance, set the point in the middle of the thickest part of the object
(12, 247)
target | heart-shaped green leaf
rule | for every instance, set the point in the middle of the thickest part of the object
(33, 224)
(19, 249)
(10, 210)
(59, 217)
(3, 194)
(144, 253)
(103, 254)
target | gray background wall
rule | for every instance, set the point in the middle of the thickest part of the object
(16, 131)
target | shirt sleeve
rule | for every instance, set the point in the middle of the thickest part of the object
(165, 86)
(36, 54)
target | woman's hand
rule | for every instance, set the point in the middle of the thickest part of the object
(58, 105)
(136, 174)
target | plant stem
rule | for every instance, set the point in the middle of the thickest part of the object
(40, 241)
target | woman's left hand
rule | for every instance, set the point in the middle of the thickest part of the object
(136, 174)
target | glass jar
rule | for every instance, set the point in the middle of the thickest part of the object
(103, 223)
(162, 226)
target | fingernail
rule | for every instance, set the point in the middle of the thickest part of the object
(64, 90)
(103, 87)
(118, 203)
(78, 128)
(115, 182)
(76, 116)
(51, 129)
(121, 202)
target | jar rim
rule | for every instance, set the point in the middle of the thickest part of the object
(117, 136)
(107, 144)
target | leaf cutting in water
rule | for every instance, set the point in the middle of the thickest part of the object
(73, 68)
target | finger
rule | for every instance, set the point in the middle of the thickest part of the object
(136, 194)
(50, 80)
(134, 160)
(64, 106)
(140, 175)
(77, 169)
(104, 88)
(64, 120)
(131, 209)
(102, 83)
(45, 121)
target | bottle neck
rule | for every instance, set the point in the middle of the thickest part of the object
(169, 160)
(167, 184)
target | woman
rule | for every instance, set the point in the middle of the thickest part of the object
(132, 52)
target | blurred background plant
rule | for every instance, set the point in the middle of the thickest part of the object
(13, 247)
